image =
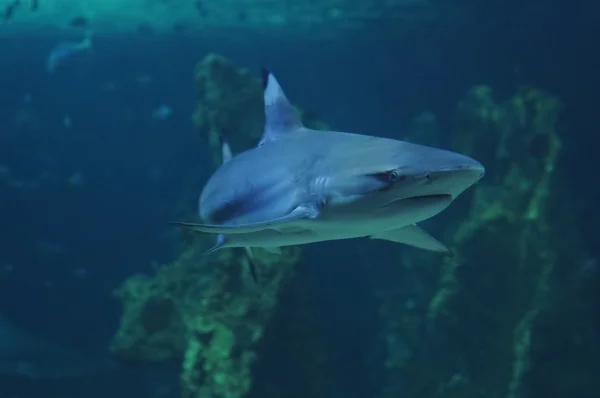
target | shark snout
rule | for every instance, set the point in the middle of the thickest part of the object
(435, 171)
(459, 164)
(455, 176)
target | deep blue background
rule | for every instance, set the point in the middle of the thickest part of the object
(113, 225)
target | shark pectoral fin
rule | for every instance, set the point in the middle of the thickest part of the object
(414, 236)
(299, 213)
(281, 118)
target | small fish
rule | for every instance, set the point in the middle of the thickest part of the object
(9, 10)
(201, 8)
(48, 249)
(79, 22)
(67, 121)
(35, 5)
(143, 80)
(81, 273)
(64, 50)
(162, 112)
(300, 186)
(75, 180)
(110, 86)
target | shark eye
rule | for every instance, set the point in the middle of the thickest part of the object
(388, 177)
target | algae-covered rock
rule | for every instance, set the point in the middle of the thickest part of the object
(151, 325)
(207, 311)
(476, 337)
(506, 250)
(230, 104)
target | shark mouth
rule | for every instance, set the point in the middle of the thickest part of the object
(422, 200)
(442, 196)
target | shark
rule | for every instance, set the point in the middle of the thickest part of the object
(300, 186)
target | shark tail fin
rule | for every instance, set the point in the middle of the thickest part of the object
(281, 119)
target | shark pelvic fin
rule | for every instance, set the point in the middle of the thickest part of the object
(281, 119)
(414, 236)
(222, 241)
(251, 264)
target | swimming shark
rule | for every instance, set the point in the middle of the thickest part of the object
(301, 186)
(26, 355)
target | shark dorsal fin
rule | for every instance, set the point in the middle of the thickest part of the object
(226, 154)
(281, 118)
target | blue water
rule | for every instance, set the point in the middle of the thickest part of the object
(135, 170)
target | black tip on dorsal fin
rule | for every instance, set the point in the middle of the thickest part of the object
(264, 72)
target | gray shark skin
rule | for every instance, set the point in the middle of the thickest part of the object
(25, 355)
(301, 186)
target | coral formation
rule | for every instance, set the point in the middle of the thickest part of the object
(206, 311)
(480, 325)
(229, 104)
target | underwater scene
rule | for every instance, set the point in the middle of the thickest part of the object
(299, 199)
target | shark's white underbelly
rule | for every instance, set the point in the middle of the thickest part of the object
(338, 227)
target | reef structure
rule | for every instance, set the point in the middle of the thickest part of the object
(206, 311)
(481, 334)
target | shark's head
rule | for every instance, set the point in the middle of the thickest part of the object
(419, 170)
(371, 171)
(396, 178)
